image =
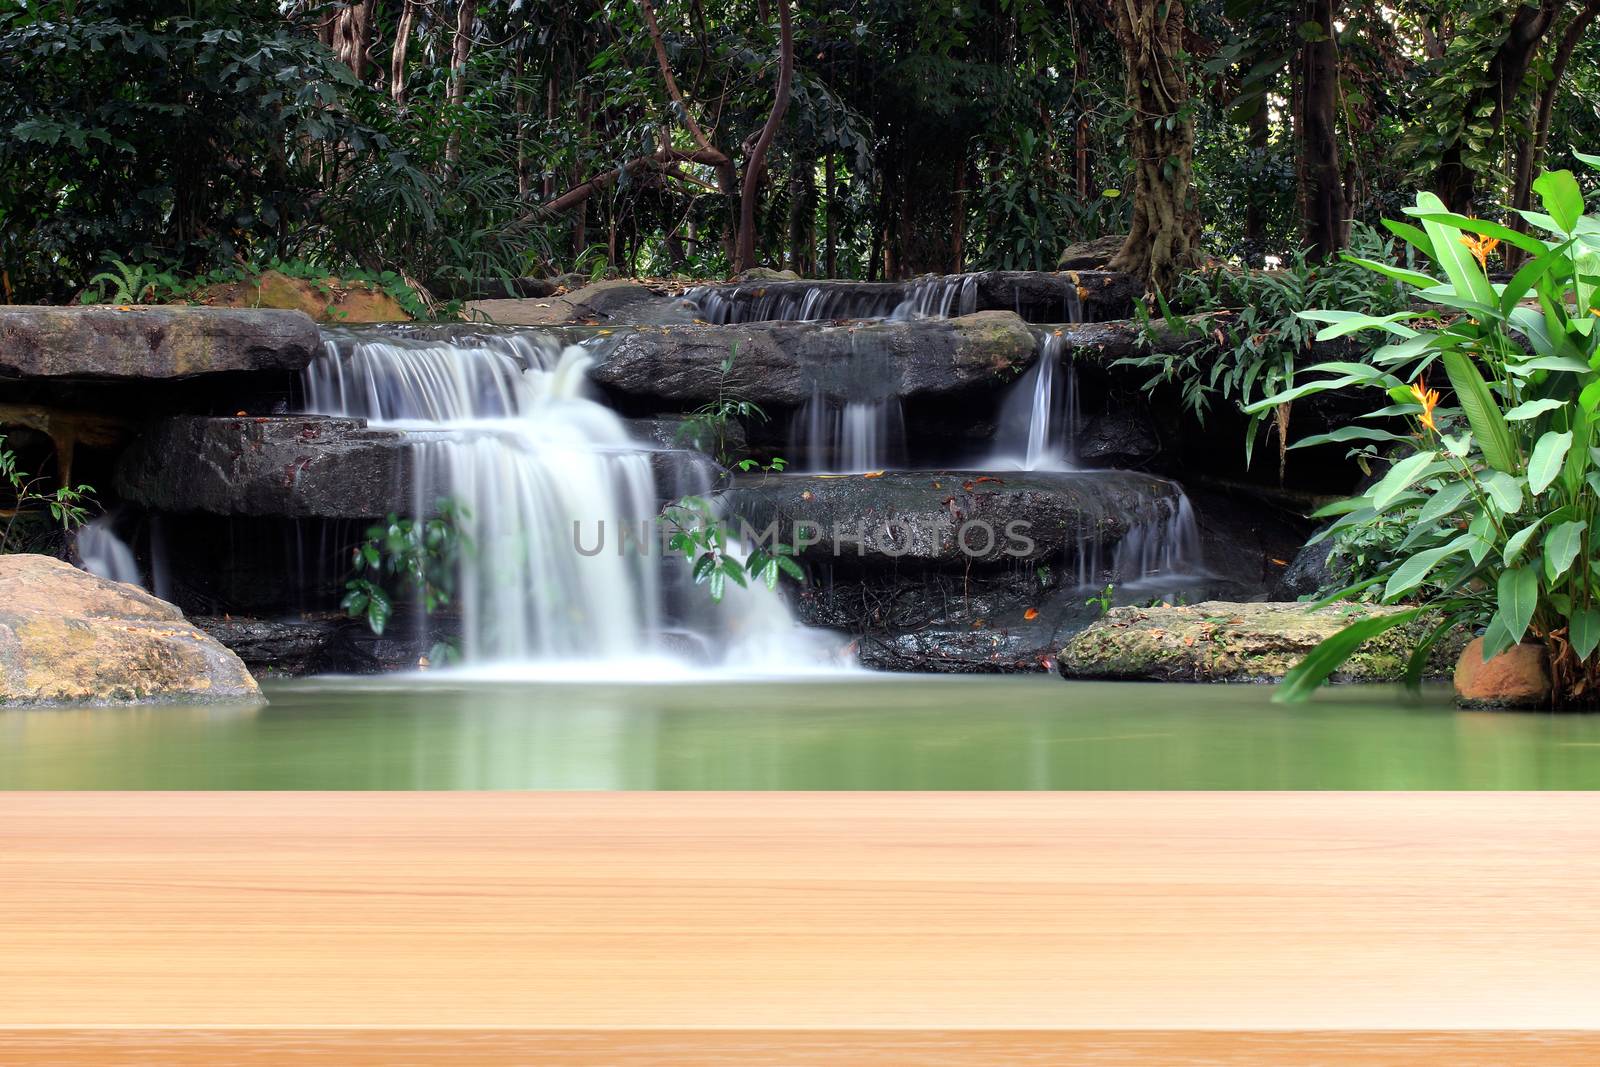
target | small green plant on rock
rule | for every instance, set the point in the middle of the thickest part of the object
(408, 557)
(707, 425)
(701, 537)
(68, 505)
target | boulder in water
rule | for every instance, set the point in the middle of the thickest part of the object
(1519, 677)
(1220, 641)
(109, 343)
(68, 637)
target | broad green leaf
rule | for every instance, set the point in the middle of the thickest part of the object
(1532, 409)
(1583, 630)
(1531, 245)
(1453, 256)
(1497, 637)
(1545, 464)
(1562, 198)
(1320, 663)
(1413, 571)
(1505, 490)
(1411, 236)
(1482, 411)
(1561, 547)
(1400, 478)
(1349, 433)
(1347, 322)
(1443, 502)
(1399, 274)
(1517, 542)
(1517, 596)
(1584, 157)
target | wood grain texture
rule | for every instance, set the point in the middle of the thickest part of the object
(922, 913)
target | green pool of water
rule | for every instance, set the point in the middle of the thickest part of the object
(862, 732)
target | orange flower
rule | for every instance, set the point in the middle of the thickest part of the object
(1429, 399)
(1480, 247)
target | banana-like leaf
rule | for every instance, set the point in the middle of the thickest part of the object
(1453, 256)
(1549, 453)
(1561, 547)
(1333, 651)
(1482, 411)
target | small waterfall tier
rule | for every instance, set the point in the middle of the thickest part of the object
(562, 557)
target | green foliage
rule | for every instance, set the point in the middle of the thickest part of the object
(416, 558)
(1103, 600)
(68, 505)
(1498, 493)
(1252, 338)
(707, 425)
(699, 534)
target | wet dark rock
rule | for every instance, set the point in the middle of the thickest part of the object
(325, 643)
(949, 518)
(144, 343)
(786, 363)
(1092, 254)
(293, 466)
(1308, 574)
(679, 431)
(1122, 438)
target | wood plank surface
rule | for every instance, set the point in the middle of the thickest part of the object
(966, 919)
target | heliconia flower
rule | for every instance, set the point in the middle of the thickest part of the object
(1480, 247)
(1429, 399)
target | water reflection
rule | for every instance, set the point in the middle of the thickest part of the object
(873, 732)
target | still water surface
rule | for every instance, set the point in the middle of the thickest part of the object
(842, 732)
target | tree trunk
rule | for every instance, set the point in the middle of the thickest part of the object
(397, 54)
(1455, 181)
(756, 162)
(457, 84)
(1164, 237)
(1327, 224)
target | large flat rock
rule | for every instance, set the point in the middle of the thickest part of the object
(68, 637)
(1220, 641)
(950, 518)
(787, 363)
(310, 466)
(144, 343)
(306, 466)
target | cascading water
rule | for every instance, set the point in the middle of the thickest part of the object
(1039, 418)
(105, 554)
(849, 437)
(557, 500)
(939, 297)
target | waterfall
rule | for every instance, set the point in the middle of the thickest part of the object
(563, 560)
(939, 297)
(1039, 418)
(105, 554)
(848, 437)
(721, 305)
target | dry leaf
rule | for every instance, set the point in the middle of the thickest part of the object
(873, 474)
(1031, 614)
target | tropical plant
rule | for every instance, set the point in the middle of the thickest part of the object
(1501, 491)
(130, 283)
(68, 505)
(1251, 339)
(410, 557)
(707, 425)
(700, 535)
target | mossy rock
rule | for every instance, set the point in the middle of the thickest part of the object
(331, 299)
(1221, 641)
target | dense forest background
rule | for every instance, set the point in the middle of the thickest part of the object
(463, 139)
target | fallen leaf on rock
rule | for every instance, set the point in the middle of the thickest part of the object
(806, 495)
(1031, 614)
(1281, 562)
(873, 474)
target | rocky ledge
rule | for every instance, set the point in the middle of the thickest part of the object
(67, 637)
(144, 343)
(1222, 641)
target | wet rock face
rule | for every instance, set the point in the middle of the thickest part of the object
(949, 518)
(787, 363)
(310, 466)
(1093, 254)
(1219, 641)
(99, 343)
(68, 637)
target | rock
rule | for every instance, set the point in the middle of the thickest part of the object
(949, 518)
(1308, 574)
(499, 288)
(324, 299)
(786, 363)
(1092, 254)
(765, 274)
(1219, 641)
(1070, 296)
(677, 431)
(67, 637)
(324, 643)
(151, 342)
(616, 301)
(1519, 677)
(1122, 438)
(297, 466)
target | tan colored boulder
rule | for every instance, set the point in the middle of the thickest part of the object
(68, 637)
(1516, 678)
(1222, 641)
(329, 300)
